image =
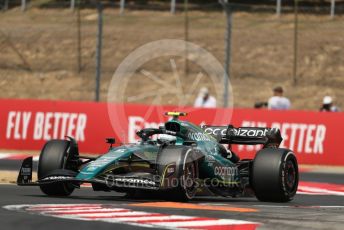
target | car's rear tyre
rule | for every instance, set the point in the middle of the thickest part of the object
(54, 156)
(275, 175)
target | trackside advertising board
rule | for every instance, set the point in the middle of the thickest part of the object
(27, 124)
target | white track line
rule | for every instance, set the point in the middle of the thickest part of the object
(98, 212)
(65, 207)
(319, 191)
(17, 156)
(201, 223)
(293, 206)
(113, 214)
(4, 155)
(151, 218)
(90, 210)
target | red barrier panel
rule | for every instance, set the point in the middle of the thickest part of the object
(314, 136)
(27, 124)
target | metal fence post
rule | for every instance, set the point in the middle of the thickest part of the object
(122, 6)
(23, 5)
(79, 61)
(278, 7)
(186, 36)
(228, 47)
(72, 5)
(296, 31)
(99, 49)
(333, 8)
(6, 5)
(173, 6)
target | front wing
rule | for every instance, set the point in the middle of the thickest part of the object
(64, 175)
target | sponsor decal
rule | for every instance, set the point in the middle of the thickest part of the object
(100, 162)
(26, 171)
(135, 124)
(169, 132)
(210, 158)
(198, 136)
(225, 171)
(215, 130)
(171, 170)
(46, 125)
(246, 132)
(240, 132)
(132, 181)
(58, 178)
(300, 137)
(227, 174)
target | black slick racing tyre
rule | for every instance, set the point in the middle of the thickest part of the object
(54, 156)
(187, 187)
(186, 172)
(275, 175)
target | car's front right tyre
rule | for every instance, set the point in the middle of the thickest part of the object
(54, 156)
(186, 173)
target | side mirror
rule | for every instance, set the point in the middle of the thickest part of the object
(110, 141)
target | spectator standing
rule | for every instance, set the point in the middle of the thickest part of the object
(278, 101)
(328, 106)
(204, 99)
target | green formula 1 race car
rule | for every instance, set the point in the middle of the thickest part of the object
(180, 161)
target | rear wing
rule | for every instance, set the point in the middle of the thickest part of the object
(269, 137)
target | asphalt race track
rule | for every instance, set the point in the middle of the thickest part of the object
(100, 210)
(313, 208)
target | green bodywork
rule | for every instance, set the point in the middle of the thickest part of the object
(213, 166)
